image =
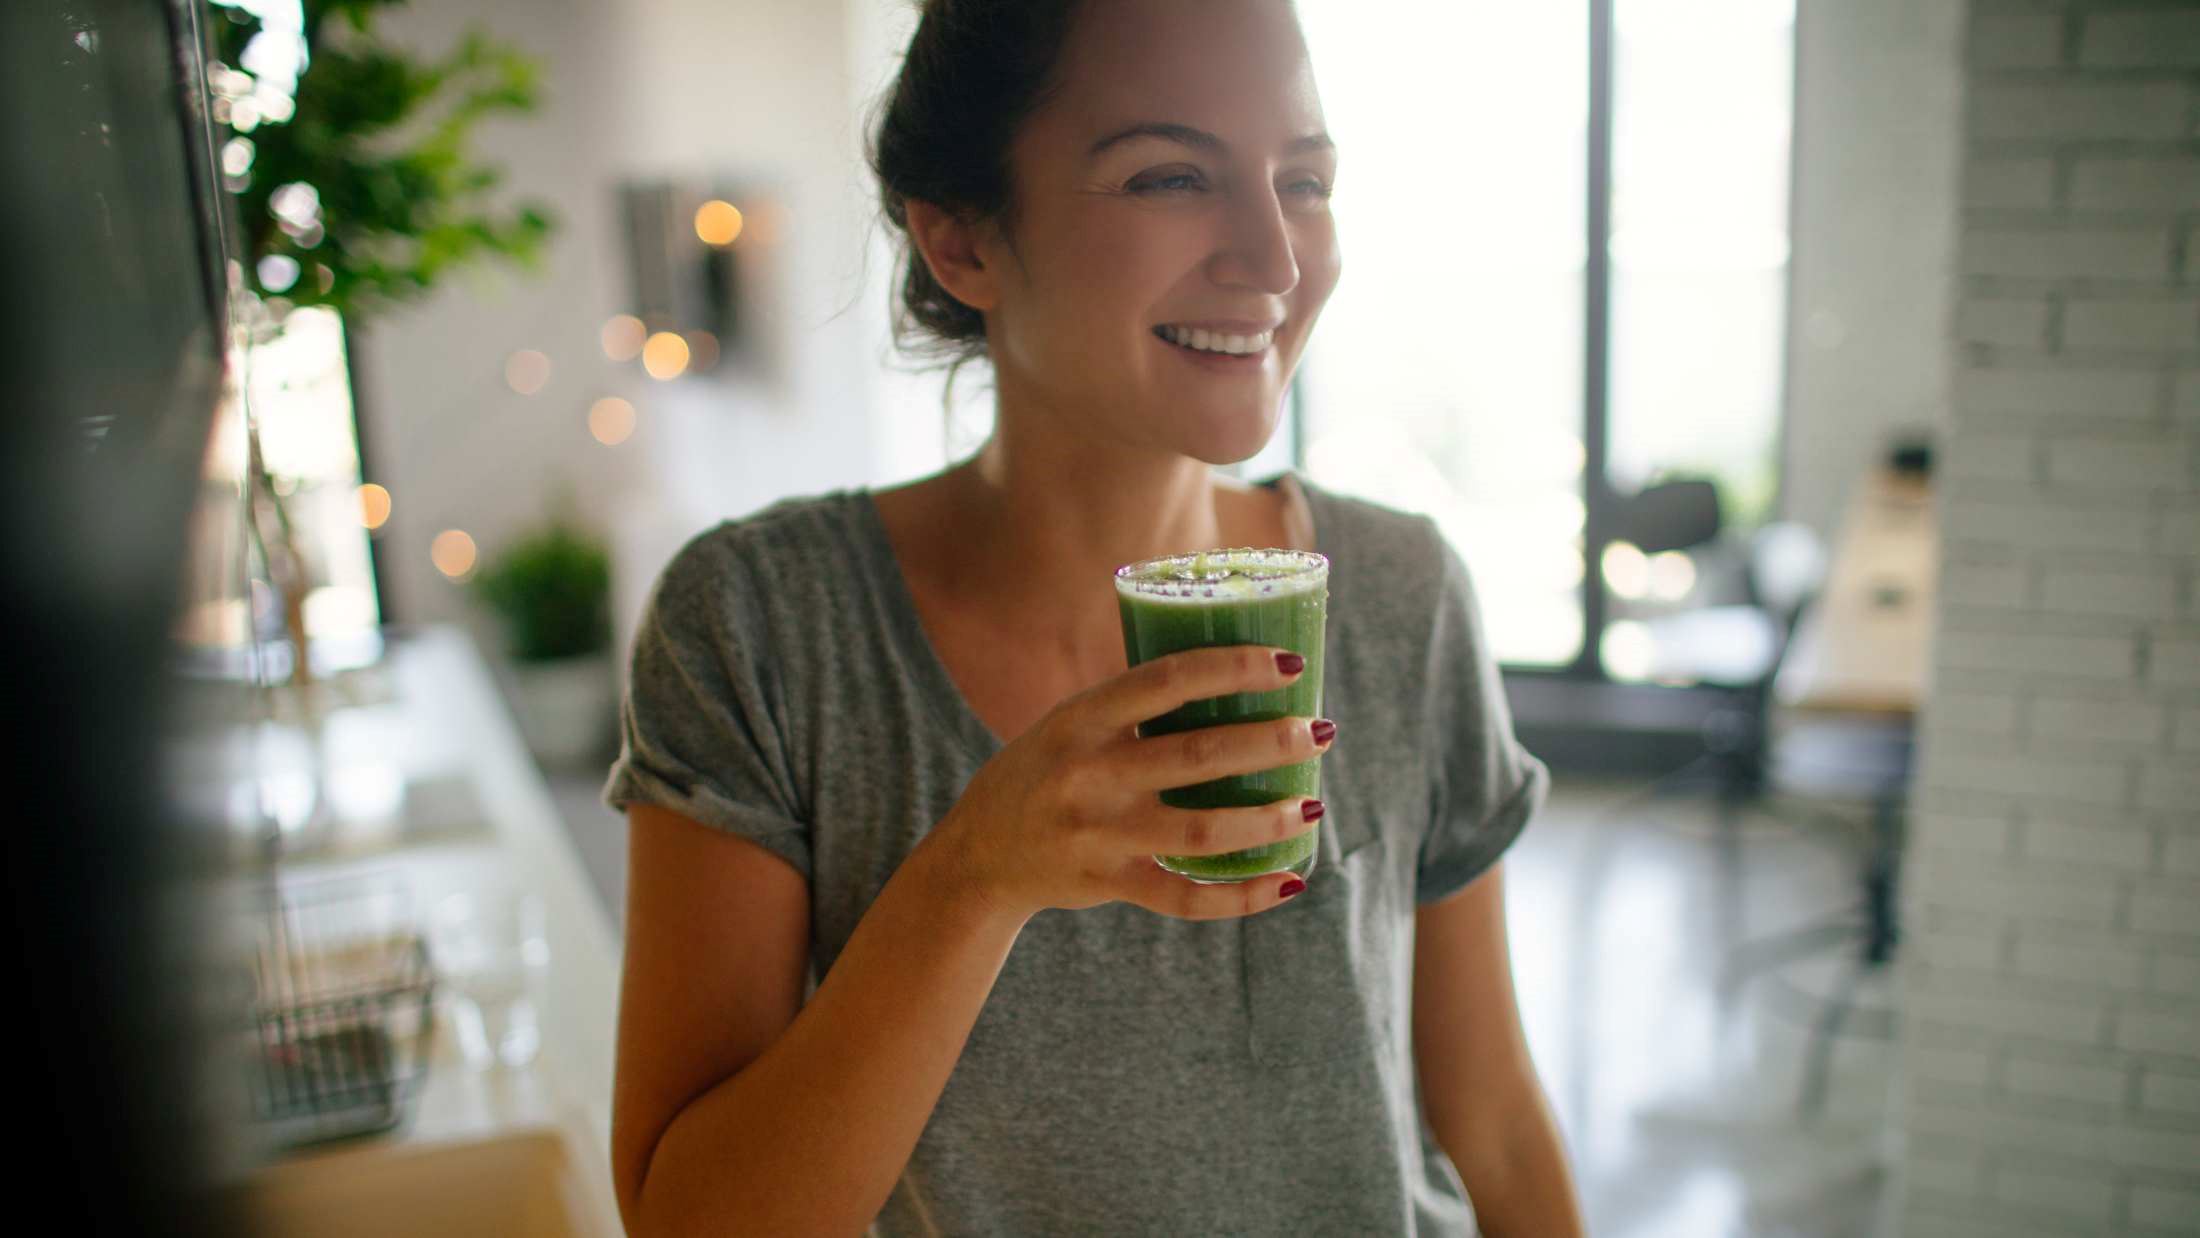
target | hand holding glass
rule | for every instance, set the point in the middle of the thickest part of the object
(1234, 597)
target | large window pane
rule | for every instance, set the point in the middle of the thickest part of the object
(1446, 375)
(1702, 113)
(1702, 116)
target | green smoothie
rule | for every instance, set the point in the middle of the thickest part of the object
(1237, 596)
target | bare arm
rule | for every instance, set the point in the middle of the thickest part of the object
(738, 1109)
(1478, 1084)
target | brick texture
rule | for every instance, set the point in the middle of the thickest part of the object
(2051, 892)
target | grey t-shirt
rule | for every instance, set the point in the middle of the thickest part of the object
(1131, 1073)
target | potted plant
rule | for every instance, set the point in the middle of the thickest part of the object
(550, 590)
(356, 190)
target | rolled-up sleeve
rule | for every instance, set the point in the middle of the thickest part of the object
(700, 732)
(1486, 785)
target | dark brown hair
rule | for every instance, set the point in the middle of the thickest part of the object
(975, 69)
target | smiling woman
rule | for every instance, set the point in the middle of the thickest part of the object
(872, 735)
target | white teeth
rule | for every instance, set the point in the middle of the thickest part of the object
(1218, 342)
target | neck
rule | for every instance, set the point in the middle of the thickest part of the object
(1051, 516)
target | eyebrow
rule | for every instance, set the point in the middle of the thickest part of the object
(1199, 139)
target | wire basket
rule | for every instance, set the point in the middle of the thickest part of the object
(343, 1012)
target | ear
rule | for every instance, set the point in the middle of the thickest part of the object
(952, 247)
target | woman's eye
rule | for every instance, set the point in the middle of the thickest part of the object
(1312, 188)
(1168, 182)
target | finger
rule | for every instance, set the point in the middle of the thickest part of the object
(1212, 831)
(1182, 758)
(1158, 890)
(1155, 687)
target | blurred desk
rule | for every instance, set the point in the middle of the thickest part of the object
(1855, 676)
(1865, 646)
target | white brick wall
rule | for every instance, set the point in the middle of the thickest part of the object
(2051, 892)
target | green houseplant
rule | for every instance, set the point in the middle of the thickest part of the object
(348, 155)
(550, 590)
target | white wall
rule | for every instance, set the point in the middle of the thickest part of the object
(2051, 991)
(757, 93)
(1877, 100)
(456, 447)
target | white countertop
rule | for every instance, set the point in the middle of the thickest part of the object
(474, 811)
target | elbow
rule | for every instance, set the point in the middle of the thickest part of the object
(628, 1179)
(632, 1159)
(733, 1214)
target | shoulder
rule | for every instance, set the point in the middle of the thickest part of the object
(802, 529)
(1374, 546)
(754, 564)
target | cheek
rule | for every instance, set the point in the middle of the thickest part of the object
(1321, 264)
(1105, 274)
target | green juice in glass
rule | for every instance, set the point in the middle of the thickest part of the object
(1237, 596)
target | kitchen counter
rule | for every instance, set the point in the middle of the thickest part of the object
(421, 772)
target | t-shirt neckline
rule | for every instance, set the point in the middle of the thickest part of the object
(943, 696)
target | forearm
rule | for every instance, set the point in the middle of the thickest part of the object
(813, 1134)
(1516, 1171)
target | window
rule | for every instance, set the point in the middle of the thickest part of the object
(1482, 361)
(299, 389)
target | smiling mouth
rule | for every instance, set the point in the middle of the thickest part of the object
(1215, 343)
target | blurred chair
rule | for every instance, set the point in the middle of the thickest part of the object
(1736, 647)
(1739, 649)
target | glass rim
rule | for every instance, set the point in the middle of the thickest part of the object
(1298, 571)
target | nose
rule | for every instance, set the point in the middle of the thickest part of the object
(1256, 250)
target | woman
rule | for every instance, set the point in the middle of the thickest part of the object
(884, 741)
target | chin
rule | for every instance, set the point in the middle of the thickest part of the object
(1232, 439)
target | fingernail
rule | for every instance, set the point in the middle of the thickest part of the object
(1323, 728)
(1312, 810)
(1291, 887)
(1290, 663)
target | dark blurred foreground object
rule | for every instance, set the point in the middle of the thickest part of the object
(114, 356)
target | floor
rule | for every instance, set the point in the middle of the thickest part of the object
(1682, 1098)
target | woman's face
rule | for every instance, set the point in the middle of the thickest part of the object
(1177, 181)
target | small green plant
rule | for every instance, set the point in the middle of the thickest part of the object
(349, 155)
(552, 589)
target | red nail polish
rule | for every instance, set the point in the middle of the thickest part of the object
(1291, 887)
(1312, 810)
(1290, 663)
(1323, 728)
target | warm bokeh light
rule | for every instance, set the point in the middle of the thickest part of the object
(1627, 570)
(702, 350)
(665, 356)
(1630, 652)
(374, 505)
(453, 552)
(1672, 575)
(622, 337)
(611, 420)
(717, 222)
(526, 371)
